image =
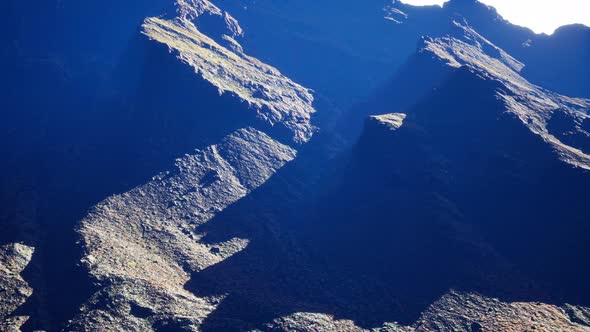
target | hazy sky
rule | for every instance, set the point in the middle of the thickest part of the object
(539, 15)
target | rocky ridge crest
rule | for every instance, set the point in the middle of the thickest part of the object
(275, 98)
(534, 106)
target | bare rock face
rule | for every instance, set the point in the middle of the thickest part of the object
(456, 312)
(465, 147)
(274, 98)
(577, 314)
(533, 105)
(212, 21)
(14, 291)
(471, 312)
(312, 322)
(490, 149)
(141, 246)
(392, 121)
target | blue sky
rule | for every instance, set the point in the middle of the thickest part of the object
(539, 15)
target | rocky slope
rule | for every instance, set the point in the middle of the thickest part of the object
(14, 291)
(461, 312)
(549, 115)
(472, 312)
(141, 247)
(472, 176)
(537, 51)
(274, 98)
(148, 251)
(213, 209)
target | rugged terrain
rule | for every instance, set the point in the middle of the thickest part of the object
(175, 173)
(14, 258)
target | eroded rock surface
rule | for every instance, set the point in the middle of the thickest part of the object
(533, 105)
(275, 98)
(393, 120)
(456, 312)
(141, 246)
(14, 291)
(471, 312)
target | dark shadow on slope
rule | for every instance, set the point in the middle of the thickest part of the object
(412, 82)
(342, 49)
(570, 130)
(463, 197)
(91, 148)
(559, 62)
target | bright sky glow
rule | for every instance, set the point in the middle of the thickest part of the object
(538, 15)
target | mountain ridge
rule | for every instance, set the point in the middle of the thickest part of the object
(187, 179)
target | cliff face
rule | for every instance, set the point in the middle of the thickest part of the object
(460, 312)
(142, 247)
(274, 98)
(174, 91)
(536, 108)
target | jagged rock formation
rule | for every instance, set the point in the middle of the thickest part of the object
(535, 107)
(152, 255)
(458, 312)
(431, 186)
(472, 312)
(310, 322)
(338, 47)
(14, 291)
(392, 121)
(579, 315)
(275, 98)
(569, 44)
(558, 119)
(142, 246)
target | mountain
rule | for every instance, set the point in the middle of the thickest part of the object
(291, 165)
(468, 175)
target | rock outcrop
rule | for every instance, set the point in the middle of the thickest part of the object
(472, 312)
(274, 98)
(457, 312)
(142, 246)
(534, 106)
(438, 184)
(14, 291)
